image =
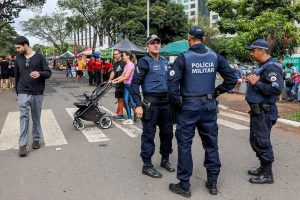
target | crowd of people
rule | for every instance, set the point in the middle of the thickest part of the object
(7, 76)
(90, 67)
(291, 78)
(187, 89)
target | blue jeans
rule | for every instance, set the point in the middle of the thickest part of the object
(26, 102)
(127, 99)
(69, 73)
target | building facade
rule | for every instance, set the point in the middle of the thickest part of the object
(198, 8)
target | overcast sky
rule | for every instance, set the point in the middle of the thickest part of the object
(48, 8)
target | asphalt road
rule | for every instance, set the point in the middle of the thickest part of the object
(105, 164)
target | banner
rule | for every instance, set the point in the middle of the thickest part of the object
(107, 53)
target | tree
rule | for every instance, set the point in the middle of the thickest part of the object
(10, 9)
(129, 19)
(211, 39)
(90, 10)
(49, 28)
(272, 20)
(7, 35)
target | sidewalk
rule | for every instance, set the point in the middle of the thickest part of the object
(238, 103)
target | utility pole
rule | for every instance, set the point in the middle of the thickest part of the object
(148, 18)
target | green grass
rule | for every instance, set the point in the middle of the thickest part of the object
(294, 116)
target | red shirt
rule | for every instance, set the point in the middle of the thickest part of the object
(97, 64)
(107, 67)
(90, 65)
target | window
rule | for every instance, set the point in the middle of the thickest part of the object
(215, 17)
(186, 1)
(193, 6)
(186, 7)
(193, 13)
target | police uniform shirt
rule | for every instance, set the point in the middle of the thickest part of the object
(269, 85)
(178, 68)
(141, 70)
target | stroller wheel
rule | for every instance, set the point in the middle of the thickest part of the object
(78, 124)
(105, 122)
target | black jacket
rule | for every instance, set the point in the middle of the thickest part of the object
(23, 67)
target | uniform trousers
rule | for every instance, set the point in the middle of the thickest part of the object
(203, 115)
(161, 116)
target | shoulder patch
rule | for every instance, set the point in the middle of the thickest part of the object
(273, 78)
(172, 72)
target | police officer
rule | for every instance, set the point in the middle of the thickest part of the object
(264, 86)
(192, 92)
(151, 73)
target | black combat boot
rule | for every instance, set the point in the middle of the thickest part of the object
(265, 178)
(256, 172)
(165, 163)
(150, 171)
(177, 189)
(212, 188)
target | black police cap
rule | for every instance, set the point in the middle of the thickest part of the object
(152, 38)
(259, 44)
(196, 32)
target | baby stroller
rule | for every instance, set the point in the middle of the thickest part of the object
(88, 109)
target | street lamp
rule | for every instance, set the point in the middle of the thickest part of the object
(148, 16)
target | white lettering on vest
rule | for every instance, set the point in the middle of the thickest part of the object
(202, 68)
(201, 65)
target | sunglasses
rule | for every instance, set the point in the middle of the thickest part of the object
(27, 62)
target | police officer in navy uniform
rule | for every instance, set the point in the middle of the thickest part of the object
(192, 92)
(264, 86)
(151, 73)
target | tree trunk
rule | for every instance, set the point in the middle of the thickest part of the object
(95, 39)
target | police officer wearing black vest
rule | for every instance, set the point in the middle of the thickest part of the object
(192, 92)
(151, 74)
(264, 86)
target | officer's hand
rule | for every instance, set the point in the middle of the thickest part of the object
(216, 94)
(139, 112)
(252, 79)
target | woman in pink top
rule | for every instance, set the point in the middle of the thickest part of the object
(126, 77)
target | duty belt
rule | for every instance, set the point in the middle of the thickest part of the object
(157, 101)
(200, 98)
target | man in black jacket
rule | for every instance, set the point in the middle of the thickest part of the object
(31, 71)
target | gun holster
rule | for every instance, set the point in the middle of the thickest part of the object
(146, 110)
(255, 109)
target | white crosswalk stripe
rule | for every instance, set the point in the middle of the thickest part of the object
(231, 125)
(235, 116)
(91, 132)
(132, 131)
(52, 133)
(10, 132)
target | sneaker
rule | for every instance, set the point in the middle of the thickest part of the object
(22, 151)
(120, 117)
(128, 121)
(36, 145)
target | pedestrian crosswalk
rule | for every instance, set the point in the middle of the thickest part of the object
(91, 132)
(54, 136)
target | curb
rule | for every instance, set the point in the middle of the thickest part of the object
(283, 121)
